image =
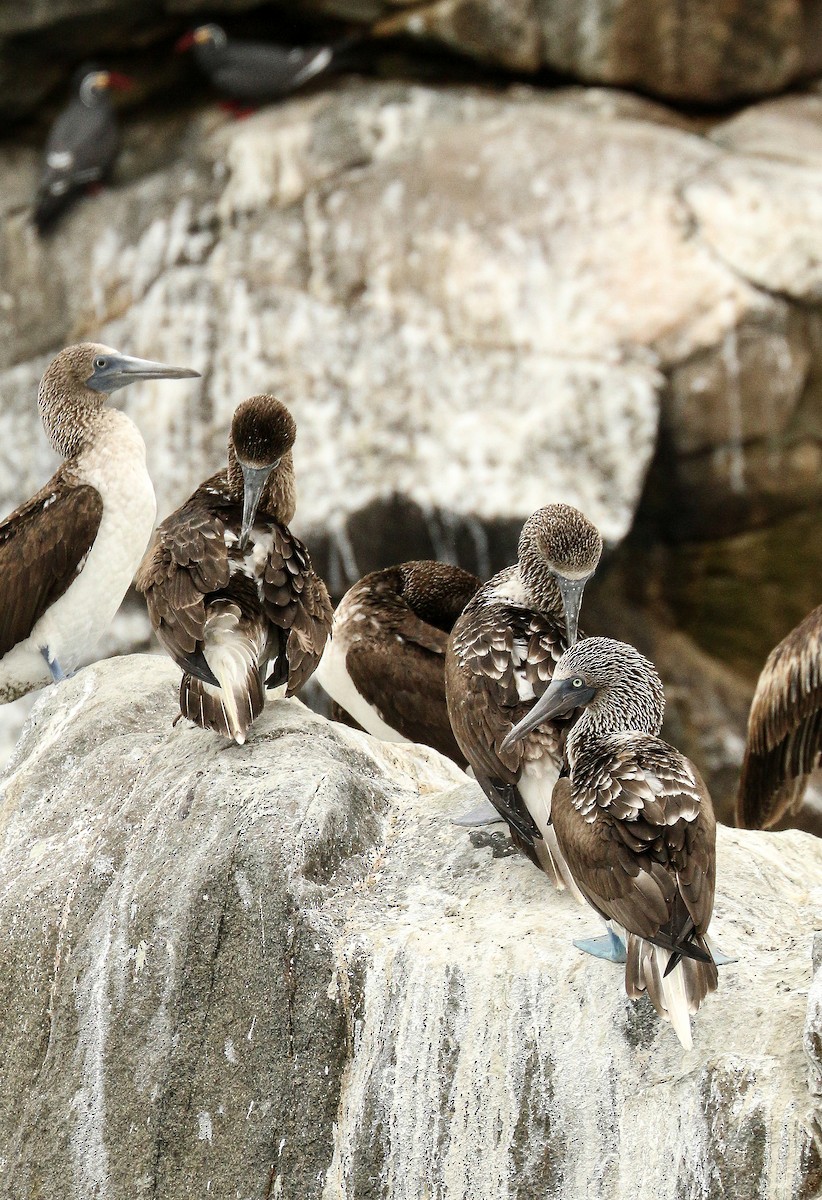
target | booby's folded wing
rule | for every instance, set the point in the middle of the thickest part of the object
(187, 561)
(295, 599)
(43, 546)
(637, 829)
(499, 661)
(784, 728)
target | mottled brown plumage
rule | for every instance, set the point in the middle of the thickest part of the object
(210, 593)
(635, 823)
(784, 728)
(501, 656)
(388, 642)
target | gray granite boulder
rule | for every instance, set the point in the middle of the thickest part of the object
(279, 970)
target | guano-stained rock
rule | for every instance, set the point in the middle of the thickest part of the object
(279, 969)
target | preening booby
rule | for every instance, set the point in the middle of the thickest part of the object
(634, 822)
(784, 728)
(82, 144)
(68, 556)
(230, 590)
(385, 661)
(501, 656)
(256, 71)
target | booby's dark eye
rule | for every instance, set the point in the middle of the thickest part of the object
(576, 682)
(100, 363)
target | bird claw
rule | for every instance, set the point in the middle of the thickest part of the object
(609, 946)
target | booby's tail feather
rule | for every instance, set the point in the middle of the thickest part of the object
(674, 993)
(233, 648)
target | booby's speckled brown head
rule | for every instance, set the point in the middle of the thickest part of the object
(558, 543)
(259, 459)
(76, 383)
(619, 687)
(262, 431)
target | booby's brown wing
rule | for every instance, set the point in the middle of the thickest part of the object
(187, 561)
(491, 647)
(43, 546)
(405, 682)
(638, 832)
(295, 599)
(784, 728)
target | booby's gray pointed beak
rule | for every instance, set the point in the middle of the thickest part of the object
(254, 480)
(560, 699)
(571, 591)
(114, 371)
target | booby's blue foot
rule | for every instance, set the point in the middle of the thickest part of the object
(57, 673)
(719, 958)
(483, 814)
(609, 946)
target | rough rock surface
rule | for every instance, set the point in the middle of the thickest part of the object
(699, 51)
(475, 303)
(278, 970)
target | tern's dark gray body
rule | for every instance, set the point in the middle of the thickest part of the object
(68, 556)
(255, 72)
(385, 662)
(81, 148)
(634, 822)
(231, 592)
(501, 656)
(784, 743)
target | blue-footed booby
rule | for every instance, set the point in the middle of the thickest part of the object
(255, 71)
(231, 592)
(501, 656)
(68, 555)
(784, 742)
(385, 661)
(82, 145)
(634, 822)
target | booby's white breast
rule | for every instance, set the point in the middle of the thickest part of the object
(116, 466)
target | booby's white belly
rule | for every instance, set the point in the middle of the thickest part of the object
(536, 786)
(72, 626)
(335, 680)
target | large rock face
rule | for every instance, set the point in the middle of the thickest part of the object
(474, 304)
(697, 51)
(279, 970)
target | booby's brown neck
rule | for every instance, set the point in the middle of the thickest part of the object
(629, 705)
(71, 414)
(279, 496)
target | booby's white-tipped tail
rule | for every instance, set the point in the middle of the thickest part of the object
(675, 996)
(233, 647)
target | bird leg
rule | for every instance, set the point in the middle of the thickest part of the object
(57, 673)
(610, 946)
(237, 110)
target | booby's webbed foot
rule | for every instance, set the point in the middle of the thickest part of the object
(482, 814)
(721, 960)
(57, 672)
(609, 946)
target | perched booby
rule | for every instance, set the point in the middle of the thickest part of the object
(385, 661)
(784, 728)
(635, 823)
(501, 657)
(230, 590)
(254, 71)
(68, 556)
(82, 145)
